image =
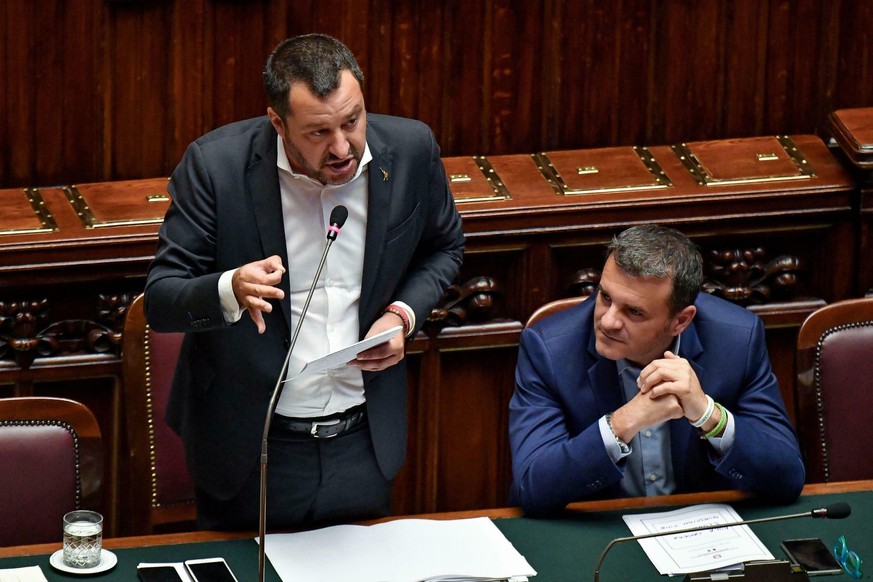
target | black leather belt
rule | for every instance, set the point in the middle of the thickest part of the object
(322, 427)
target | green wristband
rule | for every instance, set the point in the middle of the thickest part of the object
(722, 422)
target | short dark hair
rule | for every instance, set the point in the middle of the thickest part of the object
(314, 59)
(657, 251)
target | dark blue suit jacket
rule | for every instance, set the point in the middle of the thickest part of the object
(226, 212)
(563, 386)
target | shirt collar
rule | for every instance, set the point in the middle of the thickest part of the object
(624, 364)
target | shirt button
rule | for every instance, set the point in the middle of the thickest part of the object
(653, 477)
(648, 433)
(330, 282)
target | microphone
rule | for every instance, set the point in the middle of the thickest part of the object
(837, 510)
(338, 218)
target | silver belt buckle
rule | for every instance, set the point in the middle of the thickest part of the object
(315, 426)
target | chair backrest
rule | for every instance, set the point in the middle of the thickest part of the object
(835, 391)
(553, 307)
(51, 462)
(161, 493)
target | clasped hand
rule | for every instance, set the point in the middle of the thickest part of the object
(669, 389)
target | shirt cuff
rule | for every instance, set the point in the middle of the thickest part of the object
(610, 442)
(229, 305)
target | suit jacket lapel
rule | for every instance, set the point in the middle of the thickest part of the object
(603, 378)
(262, 181)
(378, 205)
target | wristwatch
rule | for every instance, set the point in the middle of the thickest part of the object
(622, 446)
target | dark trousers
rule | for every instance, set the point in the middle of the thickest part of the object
(310, 483)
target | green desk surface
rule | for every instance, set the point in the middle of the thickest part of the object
(561, 549)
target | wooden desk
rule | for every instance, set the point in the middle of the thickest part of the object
(623, 504)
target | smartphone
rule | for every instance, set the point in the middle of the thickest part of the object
(210, 570)
(812, 555)
(160, 573)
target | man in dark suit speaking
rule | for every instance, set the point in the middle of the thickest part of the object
(648, 388)
(236, 256)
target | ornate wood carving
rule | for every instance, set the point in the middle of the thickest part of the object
(26, 332)
(584, 283)
(746, 276)
(475, 301)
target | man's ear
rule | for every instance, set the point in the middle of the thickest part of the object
(277, 122)
(682, 320)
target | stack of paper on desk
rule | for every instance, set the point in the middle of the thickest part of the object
(404, 550)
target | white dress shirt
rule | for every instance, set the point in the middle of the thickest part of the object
(331, 322)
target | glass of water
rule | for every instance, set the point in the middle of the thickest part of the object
(83, 538)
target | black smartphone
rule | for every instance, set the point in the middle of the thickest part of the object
(812, 555)
(210, 570)
(159, 573)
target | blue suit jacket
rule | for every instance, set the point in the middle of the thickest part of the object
(226, 212)
(563, 387)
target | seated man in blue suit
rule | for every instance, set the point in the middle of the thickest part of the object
(648, 388)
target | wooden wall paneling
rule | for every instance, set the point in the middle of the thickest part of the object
(4, 98)
(63, 71)
(19, 87)
(865, 264)
(405, 70)
(123, 87)
(464, 122)
(514, 110)
(434, 83)
(190, 82)
(852, 87)
(636, 73)
(775, 105)
(139, 82)
(240, 49)
(690, 53)
(808, 96)
(473, 457)
(415, 484)
(745, 49)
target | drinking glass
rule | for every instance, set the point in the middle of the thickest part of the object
(83, 538)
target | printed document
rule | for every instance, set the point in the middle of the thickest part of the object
(697, 551)
(345, 355)
(403, 550)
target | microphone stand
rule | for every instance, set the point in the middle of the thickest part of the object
(277, 391)
(814, 513)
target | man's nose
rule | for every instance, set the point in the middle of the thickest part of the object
(610, 318)
(339, 145)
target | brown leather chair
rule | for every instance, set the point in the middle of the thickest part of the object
(835, 391)
(51, 462)
(161, 493)
(554, 307)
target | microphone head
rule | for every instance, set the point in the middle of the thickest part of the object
(839, 510)
(338, 216)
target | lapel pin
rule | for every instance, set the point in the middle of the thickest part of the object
(384, 174)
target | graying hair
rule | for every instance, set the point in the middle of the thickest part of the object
(657, 251)
(314, 59)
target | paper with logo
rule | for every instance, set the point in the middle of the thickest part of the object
(698, 551)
